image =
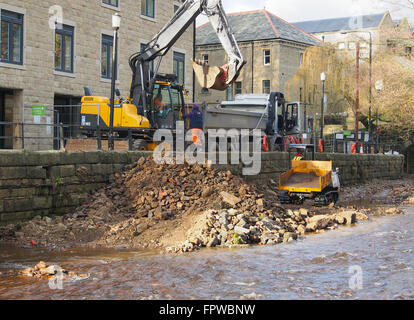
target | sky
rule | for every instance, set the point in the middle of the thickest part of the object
(302, 10)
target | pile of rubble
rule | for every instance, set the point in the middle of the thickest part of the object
(231, 227)
(42, 270)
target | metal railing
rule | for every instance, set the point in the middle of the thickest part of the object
(52, 129)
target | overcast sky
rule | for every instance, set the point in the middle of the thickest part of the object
(301, 10)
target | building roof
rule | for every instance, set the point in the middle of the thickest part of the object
(256, 25)
(338, 24)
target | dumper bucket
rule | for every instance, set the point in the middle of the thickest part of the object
(211, 77)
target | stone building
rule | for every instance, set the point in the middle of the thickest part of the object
(272, 47)
(345, 32)
(47, 64)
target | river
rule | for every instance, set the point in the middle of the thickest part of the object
(372, 260)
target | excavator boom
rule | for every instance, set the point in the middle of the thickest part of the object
(218, 78)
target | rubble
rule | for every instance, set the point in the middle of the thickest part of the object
(41, 271)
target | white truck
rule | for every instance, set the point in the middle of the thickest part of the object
(283, 123)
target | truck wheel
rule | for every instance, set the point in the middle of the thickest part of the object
(140, 145)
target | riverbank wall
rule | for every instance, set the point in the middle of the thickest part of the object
(55, 183)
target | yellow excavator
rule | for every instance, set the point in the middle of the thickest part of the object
(157, 101)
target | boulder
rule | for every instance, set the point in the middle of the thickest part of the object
(289, 237)
(303, 212)
(319, 222)
(302, 230)
(348, 216)
(213, 242)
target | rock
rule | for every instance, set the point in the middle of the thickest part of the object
(242, 191)
(318, 222)
(223, 219)
(29, 272)
(267, 237)
(302, 230)
(162, 195)
(340, 219)
(241, 231)
(303, 212)
(40, 265)
(229, 198)
(207, 192)
(349, 216)
(243, 224)
(160, 214)
(260, 202)
(48, 220)
(232, 212)
(393, 211)
(361, 216)
(410, 201)
(49, 271)
(213, 242)
(289, 237)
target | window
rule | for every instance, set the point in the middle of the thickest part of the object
(266, 86)
(341, 45)
(11, 50)
(151, 64)
(238, 87)
(147, 8)
(179, 66)
(408, 51)
(301, 59)
(205, 58)
(229, 94)
(106, 56)
(266, 57)
(64, 49)
(351, 45)
(111, 2)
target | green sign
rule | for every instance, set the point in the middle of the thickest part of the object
(38, 110)
(347, 133)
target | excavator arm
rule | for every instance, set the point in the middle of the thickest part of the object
(218, 78)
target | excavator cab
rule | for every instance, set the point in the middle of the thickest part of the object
(168, 104)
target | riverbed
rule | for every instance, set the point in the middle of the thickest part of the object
(372, 260)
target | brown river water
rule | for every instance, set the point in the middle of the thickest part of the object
(372, 260)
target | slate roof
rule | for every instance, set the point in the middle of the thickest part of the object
(338, 24)
(256, 25)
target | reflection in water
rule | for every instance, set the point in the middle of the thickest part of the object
(315, 268)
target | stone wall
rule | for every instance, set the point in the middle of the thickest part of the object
(54, 183)
(353, 168)
(43, 183)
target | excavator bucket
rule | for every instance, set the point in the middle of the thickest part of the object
(211, 77)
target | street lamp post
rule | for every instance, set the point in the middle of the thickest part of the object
(379, 85)
(323, 78)
(116, 23)
(357, 100)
